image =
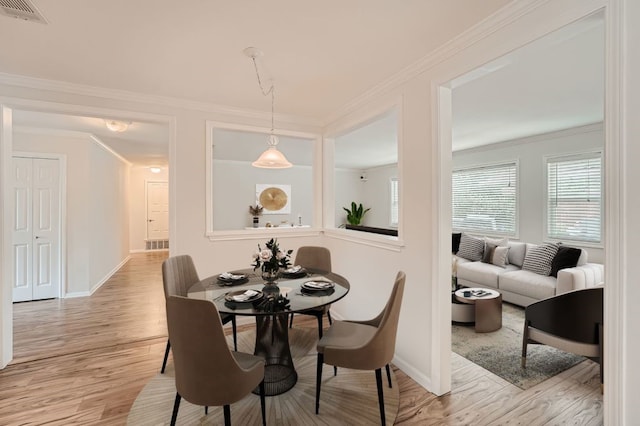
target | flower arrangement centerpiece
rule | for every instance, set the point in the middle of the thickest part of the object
(270, 259)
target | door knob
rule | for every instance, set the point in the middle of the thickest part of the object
(151, 220)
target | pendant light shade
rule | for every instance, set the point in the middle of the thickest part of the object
(272, 158)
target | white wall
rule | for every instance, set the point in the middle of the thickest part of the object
(234, 188)
(138, 179)
(348, 188)
(530, 153)
(377, 195)
(96, 222)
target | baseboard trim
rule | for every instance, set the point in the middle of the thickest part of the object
(109, 275)
(77, 294)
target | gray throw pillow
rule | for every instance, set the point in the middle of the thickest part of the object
(471, 248)
(538, 259)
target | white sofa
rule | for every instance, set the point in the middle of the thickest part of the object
(523, 287)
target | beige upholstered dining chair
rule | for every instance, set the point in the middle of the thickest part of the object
(178, 274)
(314, 259)
(363, 345)
(207, 372)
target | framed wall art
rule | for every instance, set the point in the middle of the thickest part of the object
(276, 199)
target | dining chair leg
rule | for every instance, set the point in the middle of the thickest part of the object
(319, 326)
(206, 410)
(319, 380)
(262, 404)
(176, 405)
(291, 321)
(525, 340)
(166, 356)
(329, 316)
(335, 370)
(380, 396)
(227, 415)
(235, 334)
(388, 375)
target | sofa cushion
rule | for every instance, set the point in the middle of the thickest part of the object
(528, 284)
(538, 258)
(471, 248)
(455, 242)
(566, 257)
(495, 255)
(516, 252)
(482, 274)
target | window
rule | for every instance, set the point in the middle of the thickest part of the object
(574, 197)
(485, 199)
(394, 201)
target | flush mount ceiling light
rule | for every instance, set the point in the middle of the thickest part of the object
(117, 126)
(271, 158)
(155, 169)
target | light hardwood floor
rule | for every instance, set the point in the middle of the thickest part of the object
(84, 361)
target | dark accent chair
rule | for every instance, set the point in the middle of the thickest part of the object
(206, 371)
(571, 322)
(314, 259)
(363, 345)
(178, 274)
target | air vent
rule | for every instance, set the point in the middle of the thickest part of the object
(21, 9)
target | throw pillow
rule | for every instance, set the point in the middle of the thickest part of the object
(455, 242)
(567, 257)
(495, 255)
(497, 242)
(538, 259)
(471, 248)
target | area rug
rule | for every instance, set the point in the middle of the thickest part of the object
(500, 351)
(349, 398)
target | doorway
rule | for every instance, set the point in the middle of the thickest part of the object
(157, 215)
(36, 231)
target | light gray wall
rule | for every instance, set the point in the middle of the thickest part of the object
(96, 208)
(374, 193)
(530, 153)
(234, 189)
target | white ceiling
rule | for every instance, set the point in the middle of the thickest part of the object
(320, 55)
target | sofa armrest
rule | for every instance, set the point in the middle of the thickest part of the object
(579, 277)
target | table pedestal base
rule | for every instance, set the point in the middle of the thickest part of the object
(272, 343)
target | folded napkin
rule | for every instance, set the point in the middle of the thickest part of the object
(318, 284)
(230, 276)
(294, 269)
(245, 296)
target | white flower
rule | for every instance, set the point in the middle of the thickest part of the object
(256, 255)
(265, 255)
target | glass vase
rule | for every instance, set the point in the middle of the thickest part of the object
(270, 277)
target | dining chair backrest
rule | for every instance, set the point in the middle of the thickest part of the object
(178, 274)
(206, 372)
(314, 258)
(383, 344)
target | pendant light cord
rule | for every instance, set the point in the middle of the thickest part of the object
(271, 90)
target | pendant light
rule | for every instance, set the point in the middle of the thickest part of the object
(272, 158)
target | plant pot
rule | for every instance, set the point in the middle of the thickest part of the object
(256, 221)
(270, 277)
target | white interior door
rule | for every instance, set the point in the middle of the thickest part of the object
(157, 210)
(36, 231)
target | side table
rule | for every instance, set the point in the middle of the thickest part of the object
(485, 310)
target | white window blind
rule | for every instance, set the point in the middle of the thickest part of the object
(574, 198)
(394, 201)
(485, 199)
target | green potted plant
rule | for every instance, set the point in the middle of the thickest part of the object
(355, 215)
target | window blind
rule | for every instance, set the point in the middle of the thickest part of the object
(574, 198)
(394, 197)
(485, 199)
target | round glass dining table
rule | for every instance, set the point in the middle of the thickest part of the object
(272, 332)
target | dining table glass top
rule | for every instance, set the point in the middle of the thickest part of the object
(303, 292)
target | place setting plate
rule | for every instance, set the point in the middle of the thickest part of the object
(317, 288)
(294, 272)
(243, 296)
(229, 278)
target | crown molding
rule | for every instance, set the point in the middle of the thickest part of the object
(498, 20)
(128, 96)
(71, 134)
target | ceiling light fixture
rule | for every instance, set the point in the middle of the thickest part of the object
(154, 169)
(117, 126)
(271, 158)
